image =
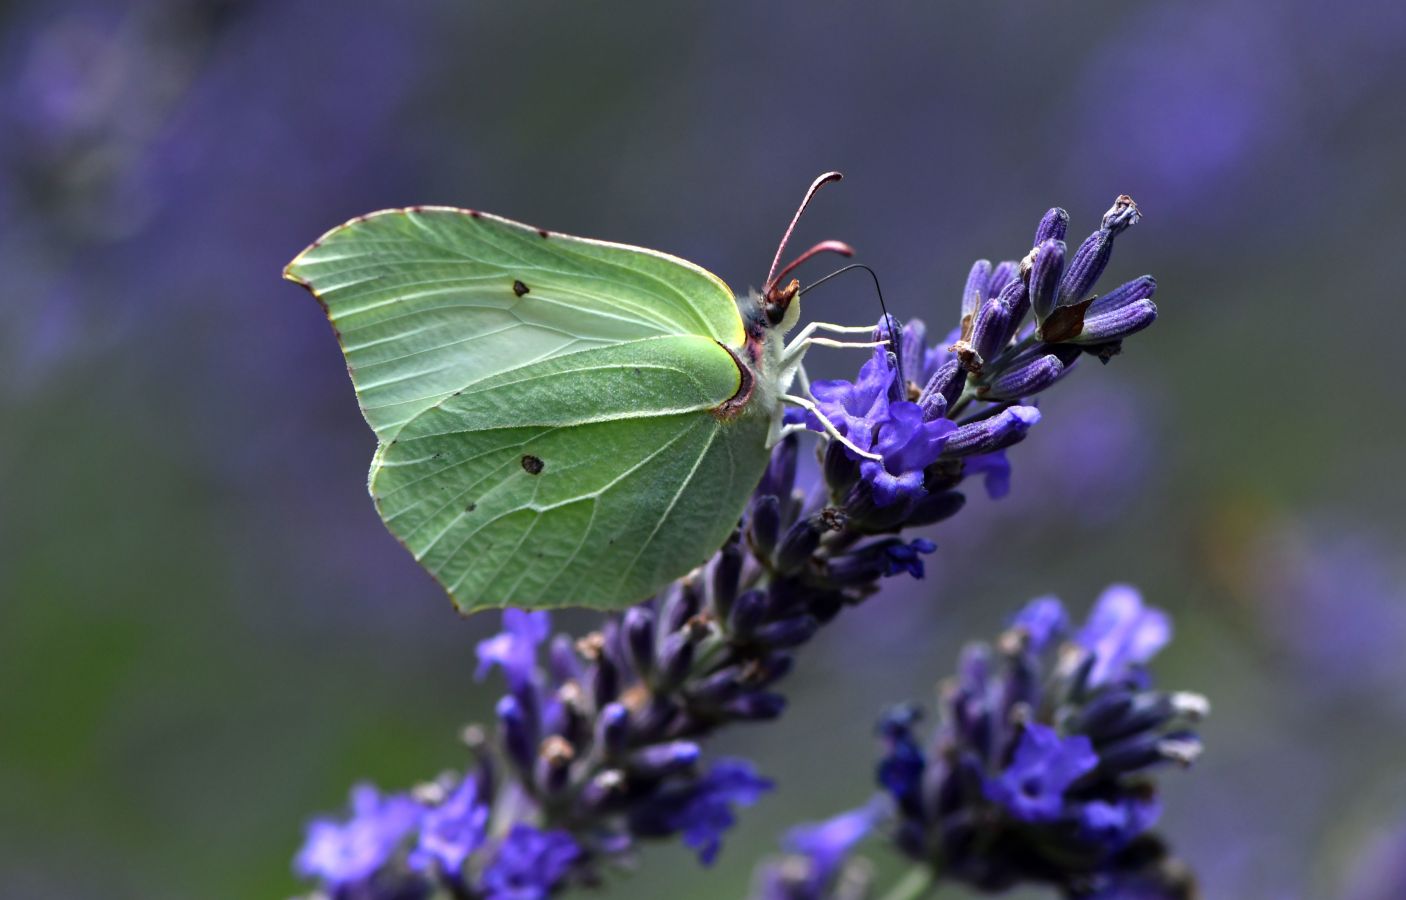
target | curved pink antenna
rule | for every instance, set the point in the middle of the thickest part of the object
(815, 186)
(839, 247)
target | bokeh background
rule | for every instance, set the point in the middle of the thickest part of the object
(205, 633)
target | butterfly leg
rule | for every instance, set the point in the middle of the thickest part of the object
(797, 348)
(811, 328)
(825, 423)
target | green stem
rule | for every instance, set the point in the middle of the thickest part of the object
(915, 884)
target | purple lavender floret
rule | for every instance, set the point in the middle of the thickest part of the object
(817, 861)
(453, 829)
(528, 864)
(1041, 768)
(1032, 785)
(346, 856)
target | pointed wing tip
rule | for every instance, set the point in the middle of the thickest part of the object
(290, 275)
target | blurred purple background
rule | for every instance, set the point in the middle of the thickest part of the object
(205, 633)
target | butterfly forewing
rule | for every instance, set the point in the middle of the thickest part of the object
(428, 300)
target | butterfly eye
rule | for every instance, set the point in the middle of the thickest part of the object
(776, 301)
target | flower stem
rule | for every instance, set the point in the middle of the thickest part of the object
(916, 883)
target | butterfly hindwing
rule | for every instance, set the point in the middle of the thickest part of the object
(586, 479)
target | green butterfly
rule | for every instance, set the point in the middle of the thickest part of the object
(561, 421)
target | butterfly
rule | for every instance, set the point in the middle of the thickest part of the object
(560, 421)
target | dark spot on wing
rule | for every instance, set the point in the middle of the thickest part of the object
(471, 507)
(474, 214)
(542, 232)
(519, 288)
(531, 464)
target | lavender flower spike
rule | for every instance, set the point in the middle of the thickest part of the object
(1039, 768)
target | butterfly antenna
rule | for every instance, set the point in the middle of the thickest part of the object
(816, 185)
(889, 321)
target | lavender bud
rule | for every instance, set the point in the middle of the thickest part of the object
(726, 579)
(914, 344)
(1101, 719)
(675, 659)
(1002, 275)
(1123, 214)
(562, 660)
(1024, 380)
(1045, 274)
(787, 632)
(663, 760)
(1085, 268)
(553, 768)
(947, 382)
(1016, 297)
(605, 681)
(764, 524)
(1182, 749)
(613, 729)
(933, 405)
(801, 541)
(1116, 324)
(840, 470)
(1146, 749)
(719, 687)
(1052, 227)
(865, 514)
(515, 733)
(1021, 684)
(855, 569)
(602, 792)
(681, 603)
(639, 639)
(977, 282)
(757, 707)
(1190, 707)
(934, 507)
(780, 477)
(992, 321)
(748, 613)
(574, 719)
(1141, 288)
(655, 719)
(767, 670)
(991, 434)
(1152, 712)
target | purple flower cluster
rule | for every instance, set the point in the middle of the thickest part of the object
(935, 414)
(597, 742)
(403, 847)
(1041, 768)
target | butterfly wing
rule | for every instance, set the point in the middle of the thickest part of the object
(558, 445)
(429, 300)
